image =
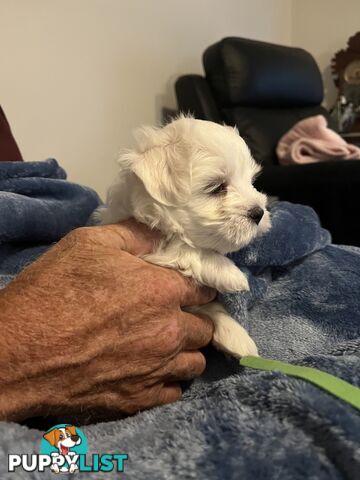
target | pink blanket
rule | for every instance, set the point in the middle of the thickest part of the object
(310, 141)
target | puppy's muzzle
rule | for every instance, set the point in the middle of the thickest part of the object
(256, 214)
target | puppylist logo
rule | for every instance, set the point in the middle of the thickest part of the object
(63, 450)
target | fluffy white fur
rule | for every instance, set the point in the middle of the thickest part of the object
(192, 180)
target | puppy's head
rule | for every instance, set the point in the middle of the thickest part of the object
(196, 180)
(63, 438)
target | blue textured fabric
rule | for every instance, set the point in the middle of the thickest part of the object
(233, 422)
(37, 207)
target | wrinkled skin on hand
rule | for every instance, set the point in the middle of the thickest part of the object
(91, 328)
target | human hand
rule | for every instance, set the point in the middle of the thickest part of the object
(90, 327)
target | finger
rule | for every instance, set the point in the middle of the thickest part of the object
(185, 366)
(187, 291)
(114, 401)
(133, 237)
(170, 393)
(198, 330)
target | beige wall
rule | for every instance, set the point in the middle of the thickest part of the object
(78, 75)
(323, 27)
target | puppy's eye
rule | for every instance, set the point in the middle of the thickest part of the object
(217, 189)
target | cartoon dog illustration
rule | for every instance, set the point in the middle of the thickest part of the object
(63, 439)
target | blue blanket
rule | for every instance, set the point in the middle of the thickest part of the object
(37, 207)
(233, 422)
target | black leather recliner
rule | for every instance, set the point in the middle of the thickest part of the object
(264, 89)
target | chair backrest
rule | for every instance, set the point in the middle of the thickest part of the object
(263, 89)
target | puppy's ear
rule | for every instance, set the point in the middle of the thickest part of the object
(51, 436)
(163, 163)
(71, 429)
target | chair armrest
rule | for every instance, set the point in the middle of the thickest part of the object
(194, 96)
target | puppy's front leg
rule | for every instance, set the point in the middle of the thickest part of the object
(207, 267)
(229, 336)
(221, 273)
(216, 271)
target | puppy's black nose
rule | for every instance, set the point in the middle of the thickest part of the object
(75, 438)
(256, 214)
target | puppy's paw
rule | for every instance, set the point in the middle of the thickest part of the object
(73, 468)
(232, 280)
(230, 337)
(265, 224)
(55, 468)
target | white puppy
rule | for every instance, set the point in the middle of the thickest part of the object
(192, 180)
